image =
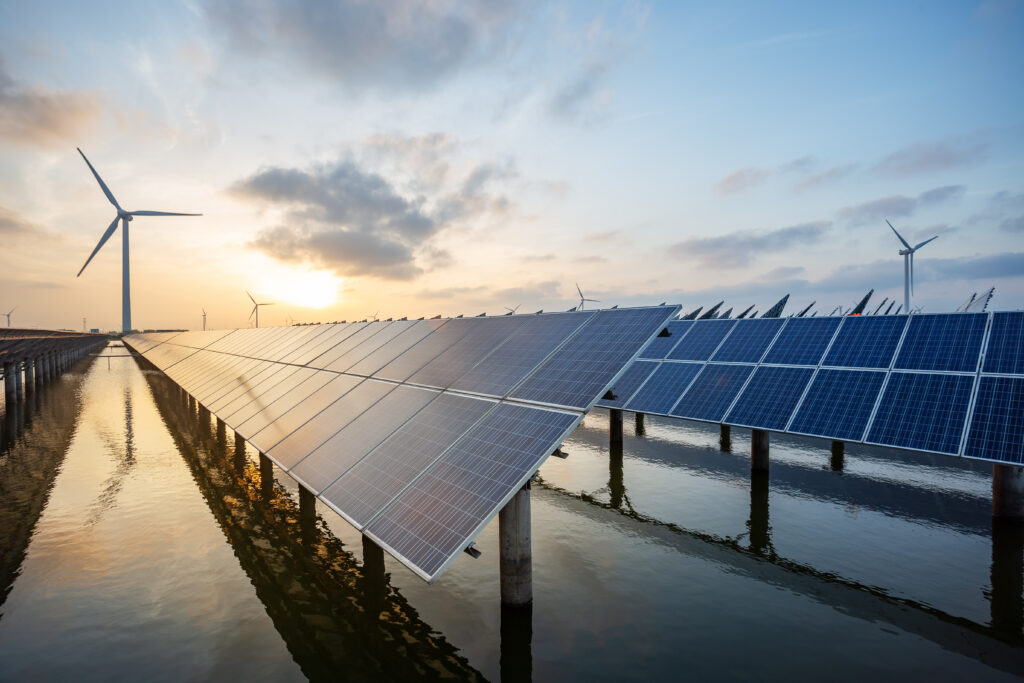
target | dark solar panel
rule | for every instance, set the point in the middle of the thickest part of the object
(702, 339)
(748, 340)
(711, 393)
(661, 391)
(923, 412)
(630, 381)
(768, 400)
(866, 341)
(802, 341)
(839, 403)
(997, 427)
(942, 342)
(659, 347)
(1005, 352)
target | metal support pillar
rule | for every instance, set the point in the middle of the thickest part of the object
(615, 426)
(1008, 492)
(638, 428)
(239, 453)
(758, 450)
(515, 561)
(838, 455)
(725, 438)
(266, 477)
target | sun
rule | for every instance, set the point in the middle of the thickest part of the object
(301, 287)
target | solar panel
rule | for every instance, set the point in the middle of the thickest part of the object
(396, 347)
(370, 345)
(280, 400)
(360, 332)
(1005, 352)
(426, 350)
(997, 426)
(292, 419)
(661, 391)
(748, 341)
(582, 369)
(626, 386)
(924, 412)
(659, 347)
(712, 392)
(802, 341)
(771, 395)
(838, 404)
(287, 373)
(866, 341)
(702, 339)
(433, 520)
(458, 358)
(942, 342)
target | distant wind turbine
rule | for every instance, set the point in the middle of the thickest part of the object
(373, 316)
(125, 217)
(908, 265)
(8, 314)
(256, 308)
(204, 320)
(583, 298)
(512, 310)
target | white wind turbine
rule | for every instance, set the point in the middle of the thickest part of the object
(256, 308)
(204, 320)
(8, 314)
(512, 310)
(583, 298)
(908, 266)
(125, 217)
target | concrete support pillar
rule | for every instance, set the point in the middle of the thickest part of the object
(30, 375)
(616, 477)
(19, 386)
(307, 513)
(515, 561)
(222, 434)
(266, 477)
(1007, 599)
(758, 450)
(838, 456)
(239, 453)
(615, 426)
(1008, 492)
(10, 391)
(725, 438)
(638, 428)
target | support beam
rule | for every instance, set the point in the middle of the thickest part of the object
(725, 438)
(515, 561)
(1008, 492)
(838, 456)
(615, 426)
(639, 429)
(758, 450)
(266, 477)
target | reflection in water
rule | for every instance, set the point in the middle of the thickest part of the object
(124, 463)
(725, 439)
(338, 619)
(1007, 597)
(516, 643)
(757, 525)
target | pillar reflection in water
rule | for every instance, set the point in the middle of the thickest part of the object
(757, 525)
(638, 426)
(516, 643)
(725, 439)
(616, 477)
(1007, 598)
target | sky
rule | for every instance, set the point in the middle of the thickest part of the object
(353, 158)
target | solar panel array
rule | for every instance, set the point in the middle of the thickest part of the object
(942, 383)
(416, 432)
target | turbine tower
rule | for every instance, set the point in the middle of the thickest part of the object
(908, 266)
(8, 314)
(582, 298)
(204, 320)
(256, 308)
(124, 217)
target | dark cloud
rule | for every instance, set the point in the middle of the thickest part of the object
(897, 206)
(740, 248)
(826, 177)
(925, 157)
(39, 117)
(742, 180)
(576, 99)
(397, 45)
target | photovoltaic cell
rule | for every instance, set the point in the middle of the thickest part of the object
(434, 519)
(457, 359)
(396, 347)
(839, 403)
(297, 416)
(280, 400)
(802, 341)
(659, 347)
(943, 342)
(1005, 352)
(924, 412)
(370, 345)
(702, 339)
(866, 341)
(661, 391)
(426, 350)
(360, 333)
(626, 386)
(711, 393)
(748, 341)
(584, 368)
(768, 400)
(997, 427)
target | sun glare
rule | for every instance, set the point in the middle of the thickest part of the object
(307, 288)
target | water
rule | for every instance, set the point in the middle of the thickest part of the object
(135, 544)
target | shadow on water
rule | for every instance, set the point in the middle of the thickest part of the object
(339, 620)
(37, 432)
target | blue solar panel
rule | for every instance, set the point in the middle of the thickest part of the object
(802, 341)
(659, 347)
(942, 342)
(582, 369)
(748, 341)
(770, 397)
(838, 405)
(663, 388)
(702, 340)
(627, 385)
(710, 395)
(997, 428)
(866, 341)
(1005, 352)
(924, 412)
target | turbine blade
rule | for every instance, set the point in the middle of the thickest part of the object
(103, 185)
(162, 213)
(898, 235)
(103, 240)
(925, 242)
(578, 290)
(250, 296)
(253, 313)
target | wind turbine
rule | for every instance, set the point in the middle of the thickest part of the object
(204, 320)
(256, 308)
(373, 317)
(908, 265)
(513, 309)
(583, 298)
(8, 314)
(125, 217)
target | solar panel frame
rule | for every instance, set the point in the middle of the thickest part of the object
(835, 393)
(795, 381)
(641, 403)
(1004, 349)
(909, 385)
(703, 340)
(955, 347)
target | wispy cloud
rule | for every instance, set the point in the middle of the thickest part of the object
(897, 206)
(580, 97)
(828, 176)
(926, 157)
(41, 117)
(742, 180)
(740, 248)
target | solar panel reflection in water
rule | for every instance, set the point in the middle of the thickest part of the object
(748, 341)
(659, 347)
(626, 386)
(1005, 352)
(433, 520)
(839, 403)
(702, 339)
(661, 391)
(375, 480)
(768, 400)
(866, 341)
(802, 341)
(923, 412)
(584, 368)
(943, 342)
(711, 393)
(997, 427)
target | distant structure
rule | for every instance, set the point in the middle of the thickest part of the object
(583, 298)
(744, 313)
(776, 310)
(711, 311)
(908, 265)
(979, 304)
(125, 217)
(859, 308)
(8, 314)
(802, 313)
(204, 320)
(256, 308)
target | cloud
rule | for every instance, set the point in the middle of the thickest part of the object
(1005, 209)
(897, 206)
(742, 180)
(940, 194)
(577, 98)
(590, 260)
(800, 165)
(926, 157)
(603, 237)
(827, 177)
(783, 273)
(740, 248)
(12, 225)
(39, 117)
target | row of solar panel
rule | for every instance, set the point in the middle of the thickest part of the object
(927, 411)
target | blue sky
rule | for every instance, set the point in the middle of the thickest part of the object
(444, 158)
